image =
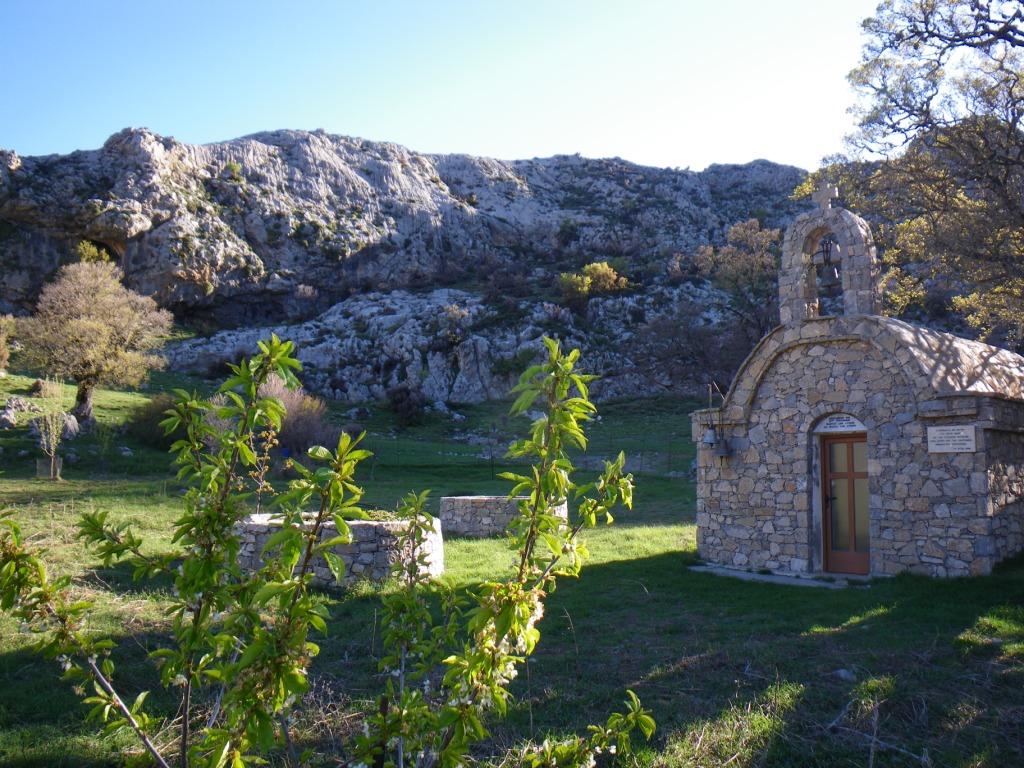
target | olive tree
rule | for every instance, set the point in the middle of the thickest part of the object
(91, 329)
(746, 271)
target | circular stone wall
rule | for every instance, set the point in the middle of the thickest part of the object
(479, 517)
(370, 554)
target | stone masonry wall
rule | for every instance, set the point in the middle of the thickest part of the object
(481, 516)
(760, 508)
(370, 555)
(1006, 492)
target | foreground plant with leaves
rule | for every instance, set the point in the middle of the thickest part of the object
(240, 641)
(43, 606)
(433, 708)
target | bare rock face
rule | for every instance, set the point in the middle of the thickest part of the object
(282, 225)
(384, 265)
(449, 344)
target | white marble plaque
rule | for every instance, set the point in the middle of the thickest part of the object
(953, 439)
(840, 422)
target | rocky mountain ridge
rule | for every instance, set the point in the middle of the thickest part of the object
(308, 231)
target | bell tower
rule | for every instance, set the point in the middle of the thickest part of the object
(836, 242)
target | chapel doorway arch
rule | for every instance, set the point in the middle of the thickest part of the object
(844, 495)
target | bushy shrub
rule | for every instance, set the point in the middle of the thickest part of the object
(408, 404)
(233, 170)
(44, 388)
(677, 268)
(596, 278)
(219, 365)
(305, 420)
(6, 331)
(575, 289)
(604, 278)
(218, 423)
(568, 231)
(144, 422)
(90, 252)
(509, 366)
(452, 324)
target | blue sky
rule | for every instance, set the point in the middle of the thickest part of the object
(659, 82)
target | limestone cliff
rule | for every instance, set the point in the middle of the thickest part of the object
(318, 234)
(283, 224)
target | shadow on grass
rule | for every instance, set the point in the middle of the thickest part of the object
(42, 718)
(695, 645)
(119, 579)
(760, 670)
(739, 672)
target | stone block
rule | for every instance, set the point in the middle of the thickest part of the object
(378, 547)
(485, 516)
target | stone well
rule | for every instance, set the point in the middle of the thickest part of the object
(370, 555)
(479, 517)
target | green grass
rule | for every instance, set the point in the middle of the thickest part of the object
(737, 673)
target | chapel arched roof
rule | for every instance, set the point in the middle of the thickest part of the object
(934, 363)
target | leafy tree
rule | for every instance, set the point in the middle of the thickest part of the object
(92, 330)
(746, 270)
(444, 676)
(712, 353)
(942, 105)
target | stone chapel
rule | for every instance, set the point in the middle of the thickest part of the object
(853, 443)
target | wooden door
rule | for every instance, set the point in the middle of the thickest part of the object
(844, 485)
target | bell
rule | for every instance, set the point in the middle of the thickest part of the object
(830, 278)
(722, 449)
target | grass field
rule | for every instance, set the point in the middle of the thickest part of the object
(737, 673)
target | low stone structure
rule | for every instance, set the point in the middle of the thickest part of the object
(858, 443)
(370, 555)
(479, 517)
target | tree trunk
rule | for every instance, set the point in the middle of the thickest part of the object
(83, 403)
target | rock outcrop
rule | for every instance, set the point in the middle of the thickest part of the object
(283, 225)
(450, 344)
